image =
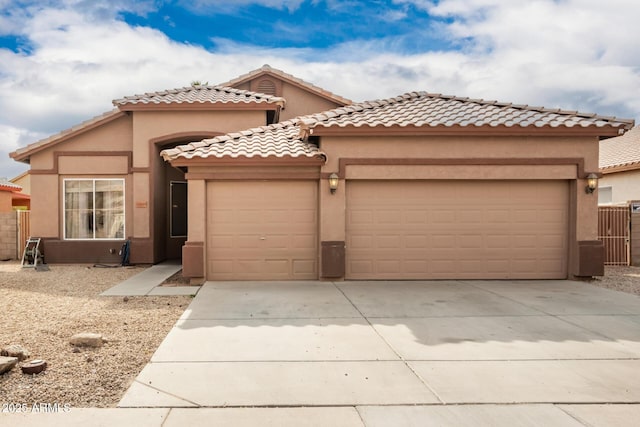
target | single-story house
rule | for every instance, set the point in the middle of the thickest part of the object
(268, 177)
(620, 169)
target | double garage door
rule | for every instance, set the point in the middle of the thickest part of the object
(267, 230)
(457, 229)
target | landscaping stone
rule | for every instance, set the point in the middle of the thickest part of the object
(7, 363)
(34, 367)
(15, 350)
(87, 339)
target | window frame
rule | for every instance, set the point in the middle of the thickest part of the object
(94, 238)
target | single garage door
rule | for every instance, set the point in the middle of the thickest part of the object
(457, 229)
(262, 230)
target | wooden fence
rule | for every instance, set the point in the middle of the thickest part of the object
(24, 230)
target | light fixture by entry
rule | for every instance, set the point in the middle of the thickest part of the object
(333, 182)
(592, 183)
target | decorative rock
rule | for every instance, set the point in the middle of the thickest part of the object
(7, 363)
(87, 339)
(34, 367)
(15, 350)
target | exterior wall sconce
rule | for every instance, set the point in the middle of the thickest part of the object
(592, 183)
(333, 182)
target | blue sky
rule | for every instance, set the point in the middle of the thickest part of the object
(63, 61)
(307, 25)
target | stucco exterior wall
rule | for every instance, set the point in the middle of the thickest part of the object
(112, 136)
(5, 201)
(151, 131)
(23, 181)
(151, 125)
(300, 102)
(625, 186)
(127, 147)
(45, 206)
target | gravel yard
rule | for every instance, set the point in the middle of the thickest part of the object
(625, 279)
(42, 310)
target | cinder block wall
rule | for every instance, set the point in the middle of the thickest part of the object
(8, 235)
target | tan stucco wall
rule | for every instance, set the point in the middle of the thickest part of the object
(301, 102)
(153, 128)
(112, 136)
(5, 201)
(46, 220)
(45, 206)
(131, 136)
(149, 125)
(625, 186)
(23, 181)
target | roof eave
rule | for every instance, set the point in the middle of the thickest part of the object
(411, 130)
(318, 159)
(620, 168)
(204, 106)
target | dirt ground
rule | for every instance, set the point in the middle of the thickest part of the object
(42, 310)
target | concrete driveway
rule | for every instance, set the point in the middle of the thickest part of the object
(512, 353)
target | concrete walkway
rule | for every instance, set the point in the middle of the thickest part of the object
(148, 282)
(449, 353)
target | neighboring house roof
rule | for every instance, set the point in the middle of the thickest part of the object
(621, 153)
(23, 154)
(16, 178)
(279, 140)
(417, 110)
(9, 186)
(422, 109)
(268, 70)
(197, 95)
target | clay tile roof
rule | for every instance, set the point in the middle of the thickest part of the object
(421, 109)
(267, 69)
(280, 140)
(198, 95)
(9, 186)
(621, 151)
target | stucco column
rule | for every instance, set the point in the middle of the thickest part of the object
(586, 251)
(194, 250)
(332, 211)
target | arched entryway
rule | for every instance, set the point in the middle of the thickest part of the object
(170, 199)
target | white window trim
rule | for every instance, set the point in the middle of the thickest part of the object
(64, 216)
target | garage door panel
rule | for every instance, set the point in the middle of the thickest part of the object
(304, 266)
(263, 230)
(416, 242)
(221, 242)
(457, 229)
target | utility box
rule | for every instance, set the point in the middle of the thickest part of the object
(332, 259)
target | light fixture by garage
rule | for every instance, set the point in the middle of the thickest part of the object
(592, 183)
(333, 182)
